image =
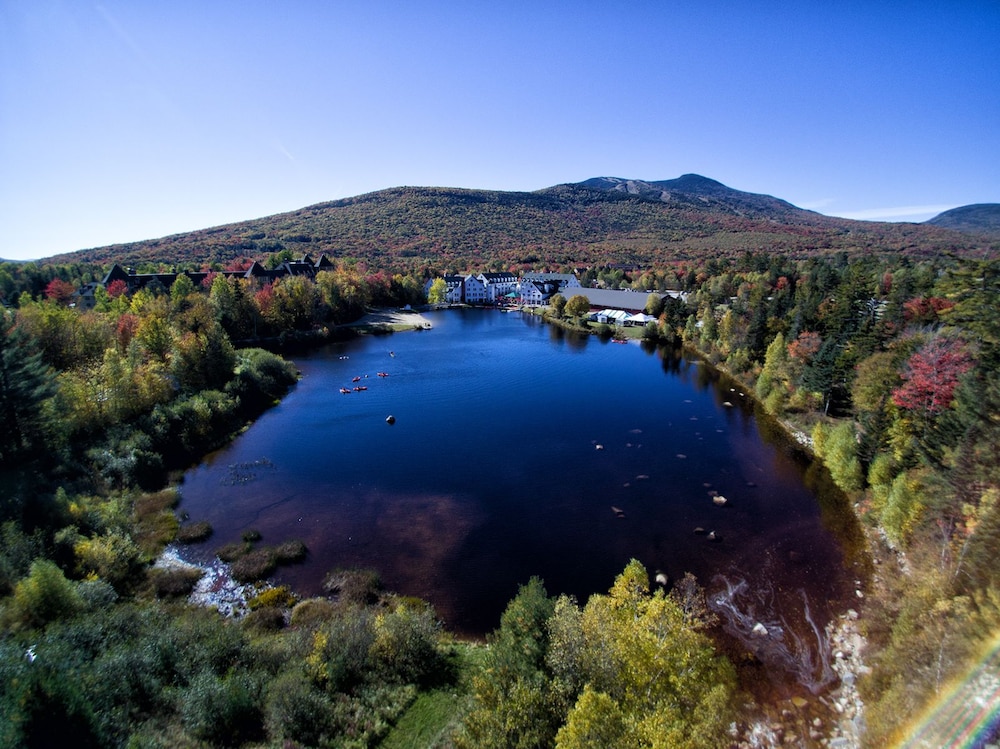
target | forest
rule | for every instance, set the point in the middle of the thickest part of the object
(888, 362)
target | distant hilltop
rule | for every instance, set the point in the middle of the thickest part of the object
(600, 221)
(980, 218)
(695, 189)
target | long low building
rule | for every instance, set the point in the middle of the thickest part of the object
(629, 301)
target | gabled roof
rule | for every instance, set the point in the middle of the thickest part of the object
(256, 270)
(300, 268)
(117, 273)
(545, 287)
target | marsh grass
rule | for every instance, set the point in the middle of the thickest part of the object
(174, 583)
(254, 565)
(194, 533)
(251, 564)
(354, 586)
(232, 552)
(156, 524)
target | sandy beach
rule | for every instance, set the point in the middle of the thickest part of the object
(393, 319)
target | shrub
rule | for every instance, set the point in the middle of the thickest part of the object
(17, 550)
(297, 711)
(128, 458)
(405, 646)
(44, 596)
(265, 620)
(280, 597)
(113, 557)
(51, 711)
(739, 361)
(251, 536)
(260, 378)
(312, 612)
(340, 657)
(97, 594)
(838, 448)
(224, 711)
(190, 426)
(210, 643)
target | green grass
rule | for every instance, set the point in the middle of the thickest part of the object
(427, 720)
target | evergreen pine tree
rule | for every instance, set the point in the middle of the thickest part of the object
(25, 383)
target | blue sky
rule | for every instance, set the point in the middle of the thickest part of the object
(126, 120)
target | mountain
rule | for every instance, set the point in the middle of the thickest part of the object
(693, 190)
(980, 218)
(602, 220)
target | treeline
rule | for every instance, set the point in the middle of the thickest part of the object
(893, 367)
(147, 380)
(32, 278)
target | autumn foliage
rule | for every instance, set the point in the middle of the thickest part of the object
(59, 291)
(932, 374)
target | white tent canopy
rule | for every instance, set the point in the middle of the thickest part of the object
(639, 318)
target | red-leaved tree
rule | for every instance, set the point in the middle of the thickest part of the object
(931, 375)
(925, 309)
(116, 288)
(805, 347)
(59, 290)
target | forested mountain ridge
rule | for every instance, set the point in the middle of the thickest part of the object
(697, 191)
(981, 218)
(599, 221)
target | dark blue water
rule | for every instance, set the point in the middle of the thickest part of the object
(513, 441)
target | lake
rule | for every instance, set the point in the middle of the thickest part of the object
(519, 449)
